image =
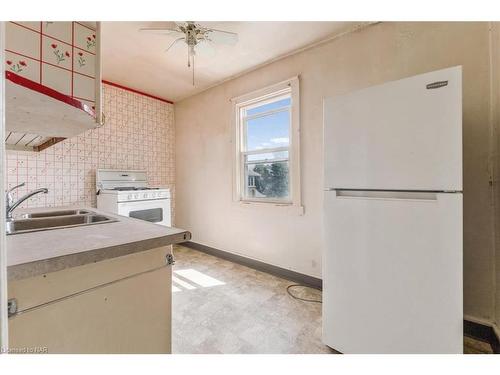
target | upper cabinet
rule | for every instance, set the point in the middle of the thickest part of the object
(53, 82)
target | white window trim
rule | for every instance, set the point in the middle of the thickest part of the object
(294, 204)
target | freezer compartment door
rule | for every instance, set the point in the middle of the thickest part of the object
(401, 135)
(392, 272)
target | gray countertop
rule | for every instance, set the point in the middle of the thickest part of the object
(36, 253)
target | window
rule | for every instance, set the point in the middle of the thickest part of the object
(267, 145)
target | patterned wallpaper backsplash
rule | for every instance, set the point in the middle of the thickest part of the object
(138, 134)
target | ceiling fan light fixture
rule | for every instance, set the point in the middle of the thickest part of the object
(192, 34)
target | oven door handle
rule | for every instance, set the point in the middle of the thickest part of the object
(147, 203)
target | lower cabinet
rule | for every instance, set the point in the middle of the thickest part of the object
(121, 305)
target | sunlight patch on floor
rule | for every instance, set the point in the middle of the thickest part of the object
(175, 289)
(182, 283)
(196, 277)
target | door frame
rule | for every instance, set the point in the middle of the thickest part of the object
(3, 252)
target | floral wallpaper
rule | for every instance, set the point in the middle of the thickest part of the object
(138, 134)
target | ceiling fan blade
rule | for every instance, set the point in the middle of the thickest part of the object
(223, 37)
(174, 43)
(162, 25)
(205, 48)
(160, 31)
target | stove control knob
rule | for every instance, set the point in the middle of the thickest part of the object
(129, 196)
(145, 195)
(136, 196)
(153, 195)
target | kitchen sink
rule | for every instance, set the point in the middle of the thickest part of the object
(50, 220)
(55, 213)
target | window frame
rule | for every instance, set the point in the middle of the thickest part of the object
(244, 153)
(258, 98)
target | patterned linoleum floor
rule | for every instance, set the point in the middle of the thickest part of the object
(223, 307)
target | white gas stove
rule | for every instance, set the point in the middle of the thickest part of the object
(127, 193)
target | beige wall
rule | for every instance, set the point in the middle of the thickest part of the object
(379, 53)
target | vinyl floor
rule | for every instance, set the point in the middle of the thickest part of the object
(222, 307)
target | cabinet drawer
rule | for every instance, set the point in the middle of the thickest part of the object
(41, 289)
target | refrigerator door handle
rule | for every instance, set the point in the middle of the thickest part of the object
(379, 194)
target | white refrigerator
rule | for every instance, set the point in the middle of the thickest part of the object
(392, 261)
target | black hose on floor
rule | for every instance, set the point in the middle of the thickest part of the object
(300, 298)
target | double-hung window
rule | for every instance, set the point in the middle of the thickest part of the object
(267, 145)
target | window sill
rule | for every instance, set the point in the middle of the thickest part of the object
(289, 208)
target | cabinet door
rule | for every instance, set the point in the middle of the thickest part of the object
(87, 77)
(97, 66)
(129, 316)
(54, 81)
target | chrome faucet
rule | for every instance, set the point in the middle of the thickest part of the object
(10, 205)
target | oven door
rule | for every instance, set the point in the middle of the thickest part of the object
(155, 211)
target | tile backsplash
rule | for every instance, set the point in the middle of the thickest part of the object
(138, 134)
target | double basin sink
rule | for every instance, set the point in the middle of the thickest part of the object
(39, 221)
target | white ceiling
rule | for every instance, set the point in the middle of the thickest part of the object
(138, 60)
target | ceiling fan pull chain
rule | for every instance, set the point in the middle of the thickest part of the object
(193, 70)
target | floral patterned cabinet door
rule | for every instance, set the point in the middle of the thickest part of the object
(57, 59)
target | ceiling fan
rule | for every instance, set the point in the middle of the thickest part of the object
(197, 37)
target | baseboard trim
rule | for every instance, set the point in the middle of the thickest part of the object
(484, 333)
(258, 265)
